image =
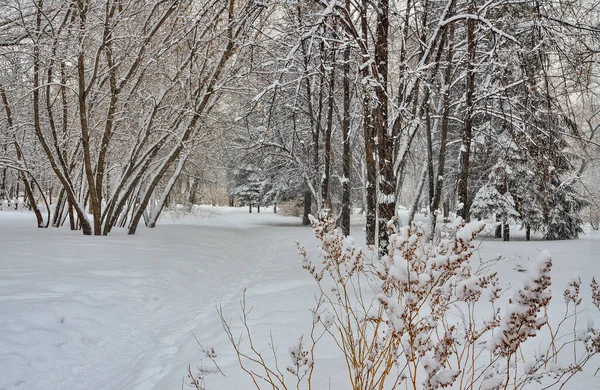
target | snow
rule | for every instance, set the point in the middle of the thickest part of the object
(124, 312)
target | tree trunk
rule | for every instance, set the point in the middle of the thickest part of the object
(85, 225)
(328, 132)
(347, 156)
(71, 216)
(32, 204)
(193, 190)
(415, 204)
(498, 232)
(368, 134)
(315, 121)
(258, 208)
(505, 231)
(17, 196)
(528, 233)
(3, 192)
(387, 183)
(169, 187)
(59, 209)
(439, 181)
(307, 205)
(250, 208)
(465, 148)
(83, 123)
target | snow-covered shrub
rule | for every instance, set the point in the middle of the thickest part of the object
(180, 211)
(291, 208)
(428, 316)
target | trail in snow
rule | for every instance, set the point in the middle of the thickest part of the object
(115, 312)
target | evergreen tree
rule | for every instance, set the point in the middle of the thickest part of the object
(248, 186)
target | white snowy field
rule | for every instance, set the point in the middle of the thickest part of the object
(123, 312)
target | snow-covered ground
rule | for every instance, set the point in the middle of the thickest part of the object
(124, 312)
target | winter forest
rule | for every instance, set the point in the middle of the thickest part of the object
(198, 137)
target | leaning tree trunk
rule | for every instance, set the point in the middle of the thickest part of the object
(59, 209)
(20, 157)
(415, 204)
(161, 203)
(31, 199)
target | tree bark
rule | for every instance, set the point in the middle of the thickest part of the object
(370, 147)
(415, 204)
(193, 190)
(3, 193)
(169, 187)
(20, 157)
(439, 180)
(328, 133)
(347, 156)
(307, 205)
(387, 183)
(465, 148)
(59, 209)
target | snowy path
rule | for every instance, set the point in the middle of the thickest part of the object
(121, 312)
(115, 312)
